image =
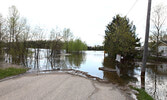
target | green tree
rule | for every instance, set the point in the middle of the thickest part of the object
(121, 38)
(77, 46)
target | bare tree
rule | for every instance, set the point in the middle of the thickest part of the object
(1, 33)
(13, 21)
(56, 43)
(24, 31)
(67, 36)
(1, 27)
(17, 31)
(158, 20)
(164, 37)
(37, 33)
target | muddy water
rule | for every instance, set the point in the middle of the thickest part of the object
(155, 79)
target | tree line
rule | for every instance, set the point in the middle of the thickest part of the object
(96, 47)
(16, 35)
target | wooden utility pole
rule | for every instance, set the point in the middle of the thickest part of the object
(145, 53)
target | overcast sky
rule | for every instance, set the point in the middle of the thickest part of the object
(87, 19)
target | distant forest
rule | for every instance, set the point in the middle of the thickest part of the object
(96, 47)
(45, 44)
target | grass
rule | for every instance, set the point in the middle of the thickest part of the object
(142, 95)
(11, 71)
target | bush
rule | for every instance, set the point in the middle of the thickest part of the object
(76, 46)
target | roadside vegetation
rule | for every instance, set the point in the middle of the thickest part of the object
(11, 71)
(142, 94)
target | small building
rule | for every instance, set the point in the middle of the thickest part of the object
(163, 48)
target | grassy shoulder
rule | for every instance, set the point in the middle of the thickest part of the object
(142, 94)
(11, 71)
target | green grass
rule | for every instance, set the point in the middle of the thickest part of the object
(142, 95)
(11, 71)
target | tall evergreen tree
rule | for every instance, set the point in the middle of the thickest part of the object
(120, 37)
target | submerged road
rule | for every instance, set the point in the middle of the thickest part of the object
(57, 87)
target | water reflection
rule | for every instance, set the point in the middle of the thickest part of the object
(154, 81)
(16, 59)
(76, 60)
(42, 60)
(124, 72)
(143, 81)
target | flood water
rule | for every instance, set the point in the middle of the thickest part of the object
(155, 79)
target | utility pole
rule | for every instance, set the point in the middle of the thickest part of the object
(145, 53)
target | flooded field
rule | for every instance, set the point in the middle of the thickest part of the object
(155, 79)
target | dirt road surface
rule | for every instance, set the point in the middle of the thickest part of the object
(57, 87)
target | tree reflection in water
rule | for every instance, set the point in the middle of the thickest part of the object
(61, 61)
(38, 58)
(154, 82)
(16, 58)
(75, 60)
(123, 75)
(143, 81)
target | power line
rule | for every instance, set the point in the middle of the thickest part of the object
(132, 7)
(141, 20)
